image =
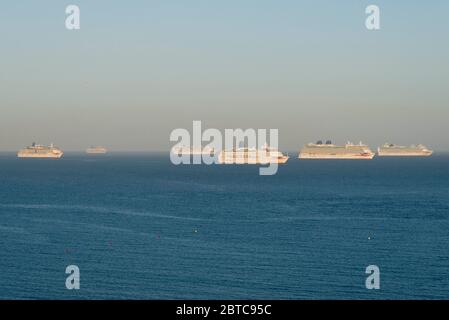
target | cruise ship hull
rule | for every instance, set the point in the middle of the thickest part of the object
(187, 151)
(381, 153)
(281, 160)
(263, 156)
(336, 156)
(36, 155)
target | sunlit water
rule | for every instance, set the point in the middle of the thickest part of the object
(139, 227)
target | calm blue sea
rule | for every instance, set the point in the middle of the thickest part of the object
(139, 227)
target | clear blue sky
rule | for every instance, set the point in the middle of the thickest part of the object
(138, 69)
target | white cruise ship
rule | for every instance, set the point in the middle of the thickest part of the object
(330, 151)
(96, 150)
(264, 155)
(40, 151)
(392, 150)
(184, 150)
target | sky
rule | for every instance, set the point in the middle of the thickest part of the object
(136, 70)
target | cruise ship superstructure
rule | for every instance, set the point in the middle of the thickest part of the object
(96, 150)
(40, 151)
(392, 150)
(263, 155)
(320, 150)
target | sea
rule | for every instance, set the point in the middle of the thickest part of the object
(139, 227)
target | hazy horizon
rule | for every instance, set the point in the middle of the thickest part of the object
(134, 72)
